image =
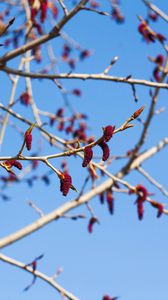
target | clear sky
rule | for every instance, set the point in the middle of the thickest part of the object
(123, 256)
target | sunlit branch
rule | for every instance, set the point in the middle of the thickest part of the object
(45, 38)
(100, 76)
(157, 10)
(55, 215)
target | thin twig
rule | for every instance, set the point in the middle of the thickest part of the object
(36, 208)
(157, 10)
(65, 10)
(147, 123)
(152, 180)
(11, 101)
(114, 60)
(103, 13)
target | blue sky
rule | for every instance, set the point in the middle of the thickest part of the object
(123, 256)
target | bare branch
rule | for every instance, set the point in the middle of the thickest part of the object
(114, 60)
(45, 38)
(55, 215)
(38, 274)
(36, 208)
(153, 181)
(100, 76)
(65, 10)
(157, 10)
(11, 101)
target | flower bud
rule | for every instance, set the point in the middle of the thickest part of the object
(65, 183)
(88, 154)
(108, 132)
(105, 149)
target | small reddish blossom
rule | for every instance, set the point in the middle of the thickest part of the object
(54, 9)
(67, 48)
(7, 42)
(108, 132)
(137, 113)
(148, 34)
(101, 197)
(107, 297)
(60, 126)
(25, 98)
(69, 128)
(160, 208)
(71, 63)
(60, 113)
(37, 53)
(90, 139)
(35, 164)
(34, 12)
(82, 126)
(77, 92)
(116, 185)
(65, 183)
(80, 132)
(142, 195)
(116, 14)
(110, 201)
(140, 209)
(153, 16)
(33, 264)
(84, 54)
(66, 52)
(45, 179)
(43, 8)
(156, 74)
(159, 59)
(13, 163)
(11, 178)
(161, 37)
(64, 166)
(52, 120)
(15, 41)
(94, 4)
(82, 116)
(88, 154)
(38, 27)
(142, 192)
(31, 2)
(92, 221)
(28, 137)
(105, 149)
(65, 56)
(28, 141)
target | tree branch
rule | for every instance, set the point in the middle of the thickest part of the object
(157, 10)
(59, 212)
(100, 76)
(152, 180)
(38, 274)
(45, 38)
